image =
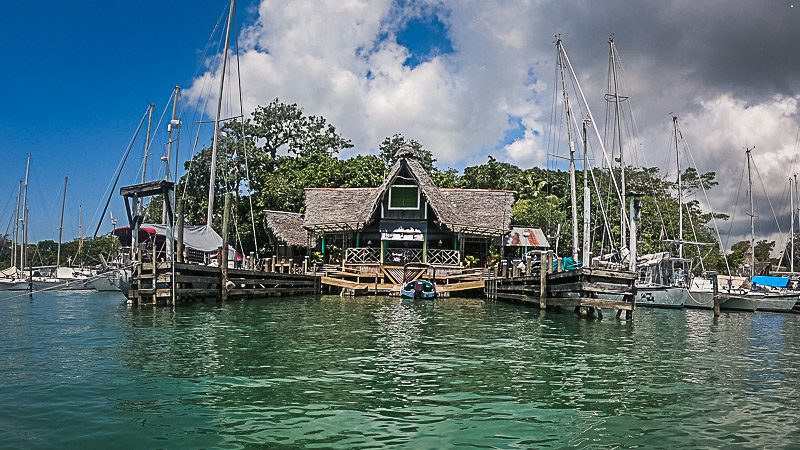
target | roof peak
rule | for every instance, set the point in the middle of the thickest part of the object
(409, 152)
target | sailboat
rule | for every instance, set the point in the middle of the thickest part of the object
(753, 299)
(662, 280)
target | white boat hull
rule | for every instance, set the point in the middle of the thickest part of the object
(738, 302)
(777, 302)
(661, 296)
(700, 300)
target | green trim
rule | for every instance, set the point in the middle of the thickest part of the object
(425, 248)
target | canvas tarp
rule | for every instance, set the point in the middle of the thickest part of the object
(198, 237)
(763, 280)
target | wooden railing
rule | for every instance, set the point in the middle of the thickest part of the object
(363, 255)
(399, 256)
(444, 257)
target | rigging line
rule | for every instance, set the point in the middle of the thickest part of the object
(602, 209)
(694, 235)
(708, 202)
(597, 132)
(244, 146)
(127, 153)
(735, 205)
(764, 188)
(783, 238)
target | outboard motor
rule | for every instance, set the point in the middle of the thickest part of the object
(418, 286)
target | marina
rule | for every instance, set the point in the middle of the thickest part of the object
(400, 225)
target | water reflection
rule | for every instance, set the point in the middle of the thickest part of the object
(365, 371)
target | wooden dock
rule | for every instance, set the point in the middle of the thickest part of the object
(388, 279)
(587, 290)
(153, 284)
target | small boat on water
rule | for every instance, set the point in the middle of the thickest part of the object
(418, 289)
(663, 281)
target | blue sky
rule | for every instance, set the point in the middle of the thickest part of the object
(82, 77)
(465, 78)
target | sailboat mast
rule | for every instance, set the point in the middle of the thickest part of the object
(680, 190)
(210, 215)
(80, 229)
(172, 125)
(61, 224)
(16, 226)
(791, 226)
(617, 101)
(752, 218)
(147, 141)
(24, 250)
(586, 201)
(572, 182)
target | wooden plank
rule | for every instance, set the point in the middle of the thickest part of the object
(583, 286)
(462, 286)
(590, 302)
(343, 283)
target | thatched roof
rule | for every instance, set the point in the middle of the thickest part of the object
(287, 227)
(474, 211)
(329, 209)
(480, 210)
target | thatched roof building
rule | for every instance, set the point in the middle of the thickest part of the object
(471, 211)
(286, 229)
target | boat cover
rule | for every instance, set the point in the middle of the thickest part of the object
(198, 237)
(763, 280)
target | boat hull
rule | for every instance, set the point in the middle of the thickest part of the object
(777, 302)
(699, 300)
(420, 295)
(738, 302)
(661, 296)
(15, 285)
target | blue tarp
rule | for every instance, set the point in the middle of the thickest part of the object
(778, 282)
(567, 264)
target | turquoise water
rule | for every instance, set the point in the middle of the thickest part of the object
(84, 370)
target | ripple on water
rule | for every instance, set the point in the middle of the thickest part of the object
(366, 372)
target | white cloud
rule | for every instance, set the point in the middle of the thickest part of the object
(341, 61)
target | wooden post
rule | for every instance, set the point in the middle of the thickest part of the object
(715, 283)
(549, 261)
(543, 283)
(559, 264)
(274, 263)
(179, 246)
(222, 256)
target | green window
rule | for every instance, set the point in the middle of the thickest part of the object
(405, 197)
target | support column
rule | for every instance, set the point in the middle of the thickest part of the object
(425, 248)
(222, 256)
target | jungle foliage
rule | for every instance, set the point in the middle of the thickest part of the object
(287, 151)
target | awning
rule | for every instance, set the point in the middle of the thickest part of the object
(526, 237)
(763, 280)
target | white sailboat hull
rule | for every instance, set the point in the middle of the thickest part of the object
(777, 302)
(700, 300)
(661, 296)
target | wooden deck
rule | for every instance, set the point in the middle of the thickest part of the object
(387, 280)
(152, 284)
(586, 290)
